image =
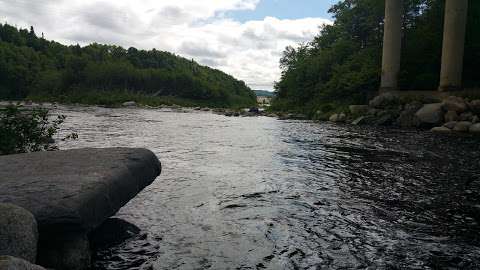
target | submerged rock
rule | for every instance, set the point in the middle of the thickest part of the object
(430, 114)
(12, 263)
(18, 233)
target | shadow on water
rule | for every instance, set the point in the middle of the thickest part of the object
(257, 193)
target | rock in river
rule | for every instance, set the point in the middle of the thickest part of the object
(18, 232)
(12, 263)
(72, 192)
(430, 114)
(441, 130)
(463, 126)
(475, 128)
(129, 104)
(456, 104)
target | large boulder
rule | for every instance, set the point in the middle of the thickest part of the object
(18, 232)
(72, 192)
(430, 114)
(12, 263)
(456, 104)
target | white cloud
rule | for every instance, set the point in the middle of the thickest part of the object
(192, 28)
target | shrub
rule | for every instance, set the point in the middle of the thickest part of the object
(28, 130)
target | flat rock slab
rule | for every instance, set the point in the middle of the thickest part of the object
(75, 190)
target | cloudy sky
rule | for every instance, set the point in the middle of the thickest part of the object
(244, 38)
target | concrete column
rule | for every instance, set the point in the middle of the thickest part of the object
(453, 44)
(392, 44)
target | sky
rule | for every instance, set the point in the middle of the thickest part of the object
(244, 38)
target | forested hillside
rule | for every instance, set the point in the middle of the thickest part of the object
(32, 66)
(342, 65)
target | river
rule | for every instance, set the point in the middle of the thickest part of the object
(259, 193)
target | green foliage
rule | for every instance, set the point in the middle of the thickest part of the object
(342, 65)
(32, 66)
(23, 130)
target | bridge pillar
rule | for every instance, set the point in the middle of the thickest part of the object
(453, 44)
(392, 45)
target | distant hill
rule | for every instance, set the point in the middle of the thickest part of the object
(263, 93)
(33, 67)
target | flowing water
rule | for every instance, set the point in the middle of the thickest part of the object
(259, 193)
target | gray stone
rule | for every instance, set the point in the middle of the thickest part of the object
(450, 125)
(475, 119)
(441, 130)
(466, 116)
(451, 116)
(430, 114)
(407, 117)
(12, 263)
(462, 126)
(456, 104)
(359, 121)
(475, 106)
(79, 189)
(385, 119)
(475, 128)
(18, 233)
(338, 117)
(385, 101)
(129, 104)
(358, 109)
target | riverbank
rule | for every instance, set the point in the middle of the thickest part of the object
(116, 99)
(450, 114)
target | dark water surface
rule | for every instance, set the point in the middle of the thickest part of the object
(258, 193)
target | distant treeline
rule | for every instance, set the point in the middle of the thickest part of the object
(31, 66)
(342, 65)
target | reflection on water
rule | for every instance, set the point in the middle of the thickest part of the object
(258, 193)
